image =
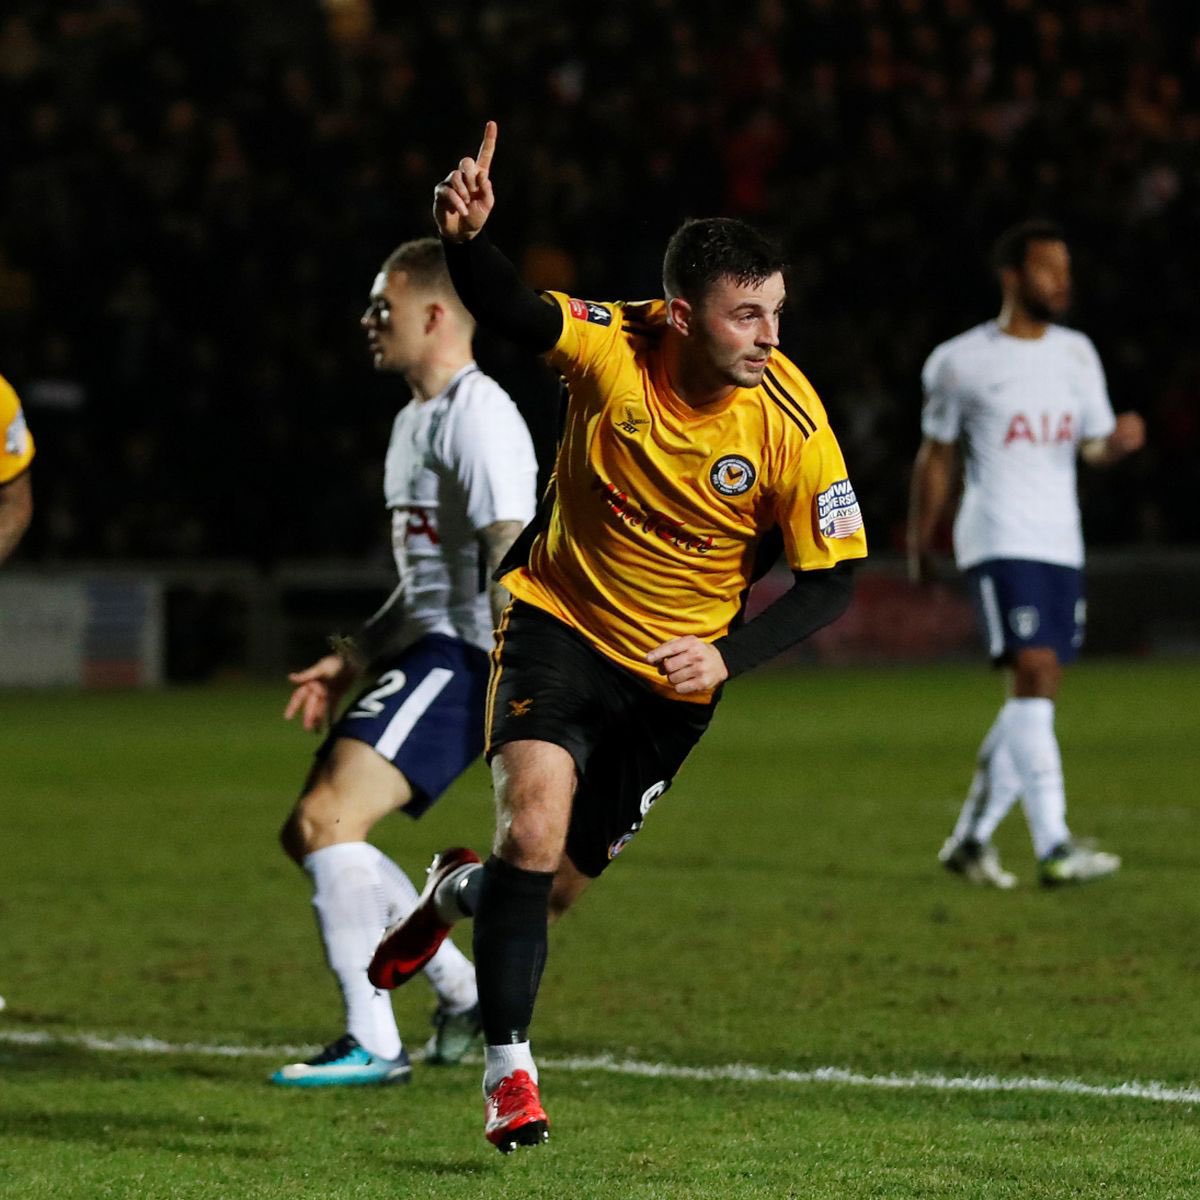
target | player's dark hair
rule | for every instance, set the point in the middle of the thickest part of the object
(1013, 244)
(702, 251)
(424, 262)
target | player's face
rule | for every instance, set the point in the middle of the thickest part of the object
(1044, 282)
(736, 328)
(395, 323)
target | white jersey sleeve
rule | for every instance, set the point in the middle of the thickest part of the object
(491, 454)
(1098, 420)
(942, 414)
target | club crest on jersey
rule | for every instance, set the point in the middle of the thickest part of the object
(838, 514)
(1024, 621)
(732, 475)
(588, 310)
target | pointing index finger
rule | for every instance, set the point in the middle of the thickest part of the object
(487, 147)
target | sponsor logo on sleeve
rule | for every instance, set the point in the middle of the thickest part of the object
(589, 310)
(838, 514)
(15, 434)
(732, 475)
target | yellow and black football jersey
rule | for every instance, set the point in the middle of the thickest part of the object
(660, 507)
(16, 442)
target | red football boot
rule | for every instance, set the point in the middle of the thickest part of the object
(409, 944)
(513, 1114)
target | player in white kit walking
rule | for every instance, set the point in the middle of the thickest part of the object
(1020, 398)
(460, 482)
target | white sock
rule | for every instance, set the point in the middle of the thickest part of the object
(1030, 725)
(994, 787)
(499, 1061)
(351, 911)
(449, 971)
(1004, 789)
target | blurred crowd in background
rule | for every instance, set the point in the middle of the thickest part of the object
(195, 197)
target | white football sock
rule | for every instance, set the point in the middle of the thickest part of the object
(499, 1061)
(1030, 737)
(1004, 789)
(994, 786)
(350, 907)
(449, 971)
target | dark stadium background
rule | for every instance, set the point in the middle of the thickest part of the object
(195, 197)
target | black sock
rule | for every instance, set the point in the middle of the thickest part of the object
(510, 947)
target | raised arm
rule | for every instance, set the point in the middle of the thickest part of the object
(934, 479)
(486, 282)
(463, 201)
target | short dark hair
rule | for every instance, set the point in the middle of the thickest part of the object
(702, 251)
(424, 262)
(1013, 244)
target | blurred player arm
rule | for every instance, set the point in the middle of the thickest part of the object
(495, 539)
(934, 486)
(1128, 436)
(16, 511)
(815, 599)
(319, 688)
(487, 283)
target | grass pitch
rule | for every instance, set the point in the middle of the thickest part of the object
(782, 908)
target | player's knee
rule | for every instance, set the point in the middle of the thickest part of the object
(1036, 673)
(532, 842)
(317, 821)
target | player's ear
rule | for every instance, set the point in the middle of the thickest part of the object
(680, 314)
(435, 315)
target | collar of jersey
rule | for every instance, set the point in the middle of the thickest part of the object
(455, 379)
(675, 403)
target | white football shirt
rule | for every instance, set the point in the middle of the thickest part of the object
(456, 463)
(1018, 407)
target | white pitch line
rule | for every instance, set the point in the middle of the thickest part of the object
(731, 1072)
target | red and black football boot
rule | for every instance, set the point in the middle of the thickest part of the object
(513, 1114)
(409, 944)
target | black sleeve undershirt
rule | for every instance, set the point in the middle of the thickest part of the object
(814, 600)
(498, 298)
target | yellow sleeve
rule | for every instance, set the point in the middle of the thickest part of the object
(590, 331)
(817, 509)
(16, 442)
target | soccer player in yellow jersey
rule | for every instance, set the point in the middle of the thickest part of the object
(16, 491)
(690, 446)
(16, 453)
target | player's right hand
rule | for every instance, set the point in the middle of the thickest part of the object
(463, 200)
(318, 690)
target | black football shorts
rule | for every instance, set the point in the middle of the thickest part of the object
(548, 684)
